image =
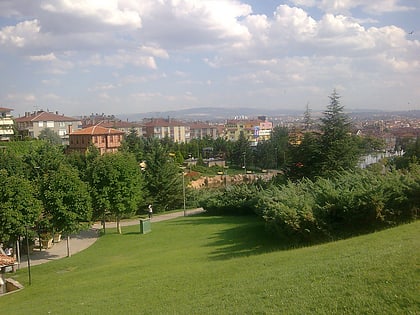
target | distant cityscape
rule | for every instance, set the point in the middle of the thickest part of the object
(182, 126)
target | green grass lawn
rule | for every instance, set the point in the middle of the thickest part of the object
(226, 265)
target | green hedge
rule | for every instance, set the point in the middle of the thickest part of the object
(352, 203)
(349, 204)
(234, 200)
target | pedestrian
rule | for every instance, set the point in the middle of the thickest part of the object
(8, 251)
(150, 211)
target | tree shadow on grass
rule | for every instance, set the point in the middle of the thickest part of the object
(247, 237)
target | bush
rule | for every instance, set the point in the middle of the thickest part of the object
(235, 199)
(349, 204)
(288, 211)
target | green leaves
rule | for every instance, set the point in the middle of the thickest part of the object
(331, 150)
(350, 203)
(18, 206)
(116, 184)
(66, 199)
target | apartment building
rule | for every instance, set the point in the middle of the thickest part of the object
(32, 124)
(201, 130)
(107, 140)
(175, 130)
(6, 124)
(254, 130)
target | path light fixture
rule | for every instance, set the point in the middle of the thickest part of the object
(27, 253)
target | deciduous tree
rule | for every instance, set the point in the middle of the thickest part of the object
(117, 185)
(19, 206)
(66, 199)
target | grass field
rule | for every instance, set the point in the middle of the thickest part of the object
(226, 265)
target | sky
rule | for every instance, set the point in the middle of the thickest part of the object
(79, 57)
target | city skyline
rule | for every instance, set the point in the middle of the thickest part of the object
(84, 56)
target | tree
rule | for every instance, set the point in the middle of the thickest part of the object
(273, 152)
(19, 206)
(50, 136)
(280, 145)
(66, 199)
(306, 157)
(133, 143)
(241, 153)
(339, 147)
(43, 158)
(162, 177)
(12, 162)
(117, 185)
(332, 150)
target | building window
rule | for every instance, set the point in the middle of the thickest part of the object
(50, 124)
(40, 124)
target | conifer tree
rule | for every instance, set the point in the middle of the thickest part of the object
(339, 147)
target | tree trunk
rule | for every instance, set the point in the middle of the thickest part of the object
(118, 225)
(68, 246)
(103, 222)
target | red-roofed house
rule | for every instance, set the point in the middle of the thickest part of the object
(32, 124)
(120, 125)
(107, 140)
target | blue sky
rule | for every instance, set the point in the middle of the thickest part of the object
(128, 56)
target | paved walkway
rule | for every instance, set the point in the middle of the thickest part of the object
(84, 239)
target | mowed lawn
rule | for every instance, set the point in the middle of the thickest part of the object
(226, 265)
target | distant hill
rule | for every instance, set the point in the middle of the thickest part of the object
(211, 114)
(217, 114)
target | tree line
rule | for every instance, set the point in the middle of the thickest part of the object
(47, 190)
(322, 194)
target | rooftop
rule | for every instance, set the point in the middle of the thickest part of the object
(44, 116)
(97, 130)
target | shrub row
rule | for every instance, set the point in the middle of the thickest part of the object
(234, 200)
(349, 204)
(352, 203)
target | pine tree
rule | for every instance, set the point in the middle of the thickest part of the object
(339, 147)
(163, 177)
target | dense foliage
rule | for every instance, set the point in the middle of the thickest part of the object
(332, 149)
(237, 200)
(116, 185)
(19, 207)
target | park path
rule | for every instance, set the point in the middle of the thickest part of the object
(84, 239)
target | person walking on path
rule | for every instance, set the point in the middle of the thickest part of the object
(150, 211)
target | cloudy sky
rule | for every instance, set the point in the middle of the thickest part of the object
(129, 56)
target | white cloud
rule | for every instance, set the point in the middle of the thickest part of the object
(48, 57)
(52, 96)
(218, 47)
(123, 58)
(94, 11)
(21, 34)
(23, 97)
(102, 87)
(154, 51)
(375, 7)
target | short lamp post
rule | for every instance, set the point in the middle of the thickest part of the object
(27, 253)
